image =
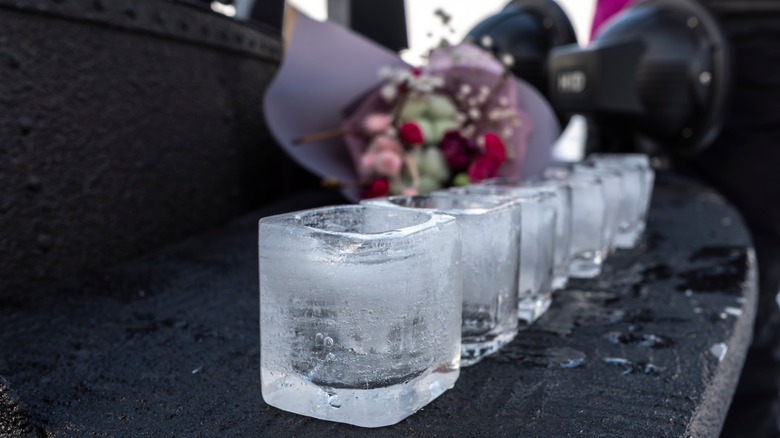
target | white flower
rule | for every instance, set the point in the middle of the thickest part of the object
(389, 92)
(401, 75)
(422, 83)
(507, 132)
(508, 60)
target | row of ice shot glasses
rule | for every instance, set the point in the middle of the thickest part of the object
(386, 301)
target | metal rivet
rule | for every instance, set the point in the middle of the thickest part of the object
(693, 22)
(705, 78)
(547, 23)
(687, 133)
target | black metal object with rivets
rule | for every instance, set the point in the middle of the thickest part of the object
(126, 124)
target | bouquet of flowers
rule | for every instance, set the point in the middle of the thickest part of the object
(458, 119)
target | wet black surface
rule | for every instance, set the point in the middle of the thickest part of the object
(168, 345)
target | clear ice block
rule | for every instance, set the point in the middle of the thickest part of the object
(562, 222)
(639, 178)
(616, 201)
(360, 312)
(490, 235)
(537, 243)
(588, 220)
(563, 226)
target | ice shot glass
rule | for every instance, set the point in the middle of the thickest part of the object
(588, 209)
(490, 235)
(537, 243)
(562, 222)
(638, 179)
(360, 312)
(616, 201)
(627, 163)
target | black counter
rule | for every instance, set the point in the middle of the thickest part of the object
(168, 346)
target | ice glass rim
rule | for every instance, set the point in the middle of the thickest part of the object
(294, 220)
(571, 177)
(639, 160)
(496, 203)
(539, 193)
(595, 168)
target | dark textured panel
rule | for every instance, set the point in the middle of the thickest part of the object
(163, 18)
(117, 137)
(167, 345)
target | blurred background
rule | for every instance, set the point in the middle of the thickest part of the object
(425, 29)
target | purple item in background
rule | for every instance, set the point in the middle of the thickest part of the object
(326, 68)
(605, 9)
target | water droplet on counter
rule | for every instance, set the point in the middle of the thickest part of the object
(645, 340)
(630, 367)
(653, 369)
(333, 400)
(328, 342)
(619, 338)
(655, 341)
(719, 351)
(318, 338)
(565, 357)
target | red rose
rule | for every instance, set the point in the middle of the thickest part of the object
(411, 133)
(495, 147)
(484, 167)
(379, 187)
(458, 151)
